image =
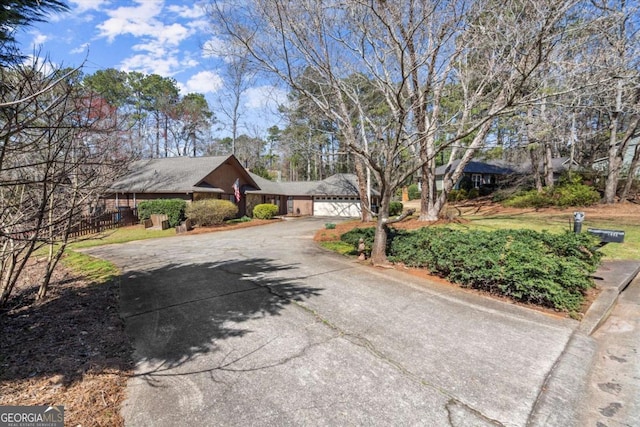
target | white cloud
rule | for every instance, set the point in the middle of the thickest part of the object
(43, 65)
(195, 11)
(85, 5)
(264, 97)
(164, 65)
(140, 21)
(202, 82)
(39, 39)
(84, 47)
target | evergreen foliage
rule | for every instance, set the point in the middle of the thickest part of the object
(550, 270)
(395, 208)
(265, 211)
(570, 192)
(211, 211)
(173, 208)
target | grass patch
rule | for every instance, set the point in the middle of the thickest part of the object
(93, 269)
(630, 249)
(340, 247)
(121, 235)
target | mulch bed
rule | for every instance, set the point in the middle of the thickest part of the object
(69, 349)
(622, 211)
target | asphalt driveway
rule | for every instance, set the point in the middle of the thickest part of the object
(259, 326)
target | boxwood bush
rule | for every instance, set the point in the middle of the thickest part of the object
(173, 208)
(550, 270)
(211, 211)
(265, 211)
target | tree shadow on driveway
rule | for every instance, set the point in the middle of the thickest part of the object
(177, 312)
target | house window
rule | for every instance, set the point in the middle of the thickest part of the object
(476, 179)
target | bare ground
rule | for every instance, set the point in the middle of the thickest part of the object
(69, 349)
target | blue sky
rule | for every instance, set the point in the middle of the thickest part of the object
(164, 37)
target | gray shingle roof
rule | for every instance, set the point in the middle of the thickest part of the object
(186, 174)
(559, 164)
(169, 175)
(478, 167)
(344, 184)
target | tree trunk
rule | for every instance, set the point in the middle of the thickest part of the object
(548, 166)
(365, 203)
(633, 168)
(429, 206)
(535, 168)
(428, 210)
(615, 152)
(379, 250)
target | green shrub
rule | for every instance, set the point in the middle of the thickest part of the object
(457, 195)
(500, 196)
(474, 193)
(330, 226)
(528, 266)
(211, 211)
(529, 199)
(395, 208)
(569, 192)
(353, 236)
(575, 194)
(265, 211)
(414, 192)
(173, 208)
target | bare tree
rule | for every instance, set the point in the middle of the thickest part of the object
(238, 75)
(56, 156)
(408, 57)
(614, 60)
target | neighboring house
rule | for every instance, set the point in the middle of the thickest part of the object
(479, 173)
(492, 172)
(560, 166)
(602, 164)
(197, 178)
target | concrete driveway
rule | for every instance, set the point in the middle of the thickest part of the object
(259, 326)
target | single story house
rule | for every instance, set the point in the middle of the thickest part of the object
(479, 173)
(492, 172)
(560, 166)
(197, 178)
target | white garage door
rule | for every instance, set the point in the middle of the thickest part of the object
(336, 206)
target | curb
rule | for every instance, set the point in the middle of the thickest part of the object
(562, 395)
(613, 277)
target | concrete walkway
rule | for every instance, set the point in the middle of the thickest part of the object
(259, 326)
(613, 393)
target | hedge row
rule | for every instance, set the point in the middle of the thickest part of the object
(546, 269)
(173, 208)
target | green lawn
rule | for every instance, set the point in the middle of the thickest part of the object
(558, 223)
(121, 235)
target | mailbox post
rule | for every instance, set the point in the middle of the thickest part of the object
(578, 219)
